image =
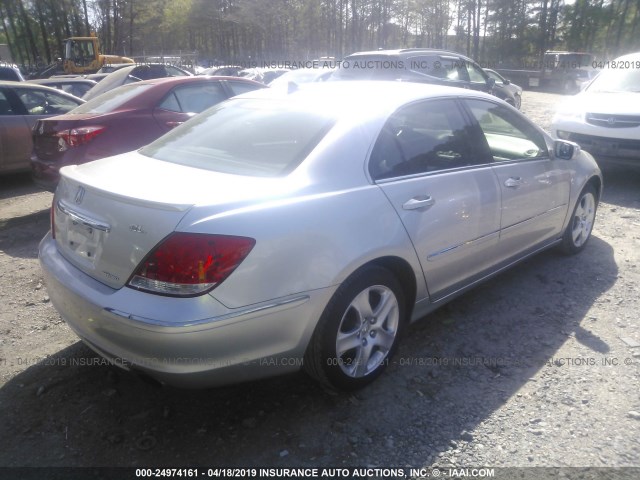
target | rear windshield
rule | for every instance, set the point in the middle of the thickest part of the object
(109, 101)
(254, 137)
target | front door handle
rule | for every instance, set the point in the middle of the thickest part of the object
(513, 182)
(420, 201)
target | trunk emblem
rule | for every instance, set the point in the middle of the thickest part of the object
(137, 228)
(41, 129)
(79, 195)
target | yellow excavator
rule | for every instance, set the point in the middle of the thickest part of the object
(82, 55)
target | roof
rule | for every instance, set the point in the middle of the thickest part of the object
(404, 51)
(68, 80)
(352, 98)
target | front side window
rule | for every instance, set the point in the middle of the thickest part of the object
(475, 74)
(495, 76)
(423, 137)
(509, 136)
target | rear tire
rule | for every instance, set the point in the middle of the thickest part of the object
(358, 331)
(581, 222)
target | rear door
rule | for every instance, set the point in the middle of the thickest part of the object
(443, 189)
(12, 133)
(535, 188)
(32, 104)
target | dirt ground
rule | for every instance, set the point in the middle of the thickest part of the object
(537, 367)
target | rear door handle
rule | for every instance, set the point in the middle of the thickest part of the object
(513, 182)
(421, 201)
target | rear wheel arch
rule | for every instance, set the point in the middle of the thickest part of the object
(391, 275)
(403, 272)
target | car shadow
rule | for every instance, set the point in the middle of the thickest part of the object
(20, 236)
(621, 186)
(451, 373)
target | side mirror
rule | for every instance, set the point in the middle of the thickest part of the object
(506, 82)
(565, 150)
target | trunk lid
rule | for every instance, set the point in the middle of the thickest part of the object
(109, 214)
(46, 142)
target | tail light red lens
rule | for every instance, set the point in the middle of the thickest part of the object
(78, 136)
(188, 264)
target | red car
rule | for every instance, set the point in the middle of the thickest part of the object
(124, 119)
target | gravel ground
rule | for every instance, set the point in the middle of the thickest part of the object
(537, 367)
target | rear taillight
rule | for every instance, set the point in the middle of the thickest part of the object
(77, 136)
(187, 264)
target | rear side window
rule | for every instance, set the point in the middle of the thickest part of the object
(428, 65)
(5, 106)
(423, 137)
(147, 72)
(174, 72)
(371, 67)
(239, 88)
(39, 102)
(111, 99)
(77, 89)
(8, 73)
(254, 137)
(193, 98)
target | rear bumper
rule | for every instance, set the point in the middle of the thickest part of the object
(198, 342)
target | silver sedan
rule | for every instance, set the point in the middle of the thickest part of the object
(305, 229)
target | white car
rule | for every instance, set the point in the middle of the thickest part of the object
(604, 119)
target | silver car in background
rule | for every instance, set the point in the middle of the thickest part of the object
(307, 228)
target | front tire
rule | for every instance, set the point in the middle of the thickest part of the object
(569, 87)
(358, 331)
(518, 101)
(580, 225)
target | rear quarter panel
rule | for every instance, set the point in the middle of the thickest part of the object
(306, 243)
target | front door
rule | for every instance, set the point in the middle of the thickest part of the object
(535, 188)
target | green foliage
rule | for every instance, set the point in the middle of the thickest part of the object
(507, 31)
